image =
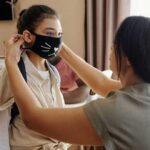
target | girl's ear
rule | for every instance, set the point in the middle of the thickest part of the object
(27, 36)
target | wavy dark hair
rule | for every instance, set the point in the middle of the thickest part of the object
(30, 18)
(133, 39)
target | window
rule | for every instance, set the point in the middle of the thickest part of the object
(140, 7)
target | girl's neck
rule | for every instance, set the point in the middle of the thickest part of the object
(37, 61)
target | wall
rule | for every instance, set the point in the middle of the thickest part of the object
(72, 18)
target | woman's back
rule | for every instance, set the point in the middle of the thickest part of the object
(123, 118)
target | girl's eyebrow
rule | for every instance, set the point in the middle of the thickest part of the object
(53, 29)
(49, 28)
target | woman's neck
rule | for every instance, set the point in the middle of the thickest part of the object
(37, 61)
(130, 78)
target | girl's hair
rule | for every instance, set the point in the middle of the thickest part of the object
(133, 40)
(30, 18)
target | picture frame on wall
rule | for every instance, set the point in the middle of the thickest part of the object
(6, 10)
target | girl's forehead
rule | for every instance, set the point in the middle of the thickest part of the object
(50, 23)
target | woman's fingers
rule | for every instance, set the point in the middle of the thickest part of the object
(14, 38)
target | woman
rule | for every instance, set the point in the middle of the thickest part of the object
(41, 29)
(119, 121)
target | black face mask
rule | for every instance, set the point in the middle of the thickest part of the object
(46, 46)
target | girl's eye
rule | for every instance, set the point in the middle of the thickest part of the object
(51, 34)
(54, 34)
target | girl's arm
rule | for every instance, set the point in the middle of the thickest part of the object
(93, 77)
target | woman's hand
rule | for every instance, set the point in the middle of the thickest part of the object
(63, 47)
(13, 49)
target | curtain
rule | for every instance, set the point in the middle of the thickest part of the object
(102, 17)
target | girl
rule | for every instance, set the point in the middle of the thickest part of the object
(41, 30)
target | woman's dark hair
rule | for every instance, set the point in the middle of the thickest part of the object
(30, 18)
(133, 40)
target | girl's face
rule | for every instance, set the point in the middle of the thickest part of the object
(46, 39)
(48, 27)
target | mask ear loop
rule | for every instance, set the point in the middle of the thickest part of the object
(24, 46)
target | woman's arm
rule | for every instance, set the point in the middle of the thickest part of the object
(76, 96)
(93, 77)
(68, 125)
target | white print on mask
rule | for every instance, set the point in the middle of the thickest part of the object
(47, 47)
(55, 49)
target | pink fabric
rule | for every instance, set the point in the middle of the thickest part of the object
(68, 77)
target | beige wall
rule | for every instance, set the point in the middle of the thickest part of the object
(72, 17)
